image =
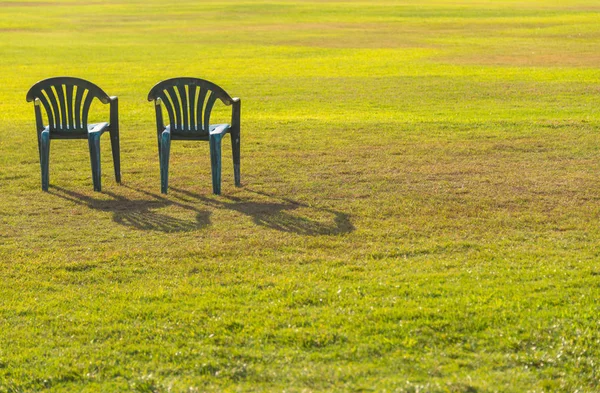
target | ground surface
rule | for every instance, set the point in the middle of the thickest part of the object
(419, 210)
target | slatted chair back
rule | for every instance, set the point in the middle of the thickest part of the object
(189, 102)
(67, 102)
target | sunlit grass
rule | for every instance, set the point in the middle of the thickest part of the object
(419, 209)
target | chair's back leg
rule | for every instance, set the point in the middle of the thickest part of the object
(235, 139)
(114, 137)
(235, 151)
(114, 145)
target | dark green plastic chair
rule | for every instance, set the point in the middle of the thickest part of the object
(189, 102)
(67, 102)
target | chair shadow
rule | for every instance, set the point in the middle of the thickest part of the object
(138, 213)
(277, 215)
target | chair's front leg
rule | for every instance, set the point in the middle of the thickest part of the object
(165, 149)
(45, 158)
(94, 144)
(114, 137)
(215, 161)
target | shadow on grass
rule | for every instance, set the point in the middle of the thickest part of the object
(138, 213)
(285, 215)
(277, 215)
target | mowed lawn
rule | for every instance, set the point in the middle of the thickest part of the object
(419, 210)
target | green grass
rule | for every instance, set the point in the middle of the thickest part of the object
(419, 210)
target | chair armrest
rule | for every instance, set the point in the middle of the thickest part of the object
(223, 129)
(95, 131)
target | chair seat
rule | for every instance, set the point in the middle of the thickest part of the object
(211, 127)
(61, 134)
(195, 135)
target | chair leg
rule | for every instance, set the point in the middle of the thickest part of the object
(94, 143)
(45, 158)
(215, 162)
(116, 153)
(235, 150)
(165, 149)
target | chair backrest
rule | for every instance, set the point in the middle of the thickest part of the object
(189, 102)
(67, 102)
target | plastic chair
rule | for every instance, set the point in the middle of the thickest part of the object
(189, 102)
(67, 102)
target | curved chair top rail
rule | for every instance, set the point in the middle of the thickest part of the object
(67, 103)
(189, 102)
(187, 81)
(96, 91)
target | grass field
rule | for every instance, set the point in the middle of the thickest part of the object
(419, 210)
